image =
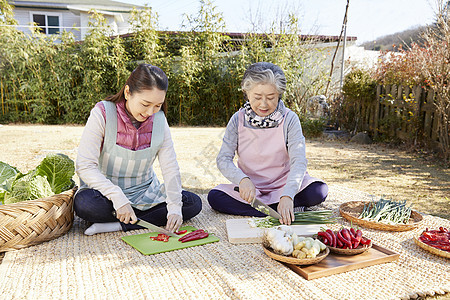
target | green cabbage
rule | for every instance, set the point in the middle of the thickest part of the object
(7, 176)
(28, 187)
(52, 176)
(59, 170)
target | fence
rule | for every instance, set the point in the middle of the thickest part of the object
(406, 113)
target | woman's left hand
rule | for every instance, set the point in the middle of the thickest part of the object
(174, 222)
(286, 210)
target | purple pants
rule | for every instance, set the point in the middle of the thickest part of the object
(313, 194)
(92, 206)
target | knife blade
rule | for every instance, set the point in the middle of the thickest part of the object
(155, 228)
(262, 207)
(152, 227)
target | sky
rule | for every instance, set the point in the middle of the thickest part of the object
(367, 19)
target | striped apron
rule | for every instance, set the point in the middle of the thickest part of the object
(132, 170)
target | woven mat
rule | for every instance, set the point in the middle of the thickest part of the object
(76, 266)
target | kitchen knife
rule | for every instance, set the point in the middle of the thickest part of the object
(152, 227)
(262, 207)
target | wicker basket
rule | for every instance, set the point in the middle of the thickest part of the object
(431, 249)
(28, 223)
(351, 211)
(296, 261)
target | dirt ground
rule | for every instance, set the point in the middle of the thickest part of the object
(376, 169)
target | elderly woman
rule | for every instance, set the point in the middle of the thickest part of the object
(268, 139)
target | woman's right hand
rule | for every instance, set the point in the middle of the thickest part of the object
(126, 214)
(247, 190)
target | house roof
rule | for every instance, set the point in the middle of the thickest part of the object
(65, 4)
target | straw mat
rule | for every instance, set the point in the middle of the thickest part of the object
(102, 266)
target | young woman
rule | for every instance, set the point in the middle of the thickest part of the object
(123, 136)
(268, 139)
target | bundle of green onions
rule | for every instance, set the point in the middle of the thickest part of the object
(301, 218)
(386, 211)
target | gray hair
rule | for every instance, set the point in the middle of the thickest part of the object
(263, 73)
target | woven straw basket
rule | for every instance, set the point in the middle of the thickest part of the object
(351, 211)
(296, 261)
(28, 223)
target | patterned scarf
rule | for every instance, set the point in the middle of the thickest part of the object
(269, 121)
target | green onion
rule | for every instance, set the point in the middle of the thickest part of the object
(386, 211)
(301, 218)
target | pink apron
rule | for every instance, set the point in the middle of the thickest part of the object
(263, 157)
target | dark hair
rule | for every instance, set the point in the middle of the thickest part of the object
(264, 72)
(144, 77)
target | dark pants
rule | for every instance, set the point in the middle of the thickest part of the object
(313, 194)
(92, 206)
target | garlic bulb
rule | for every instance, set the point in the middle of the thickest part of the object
(285, 228)
(283, 245)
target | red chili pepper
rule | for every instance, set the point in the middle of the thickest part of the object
(325, 237)
(365, 241)
(358, 237)
(191, 234)
(198, 236)
(333, 237)
(339, 243)
(344, 240)
(181, 232)
(353, 239)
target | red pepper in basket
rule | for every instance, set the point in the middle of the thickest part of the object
(326, 238)
(333, 237)
(342, 235)
(358, 237)
(365, 241)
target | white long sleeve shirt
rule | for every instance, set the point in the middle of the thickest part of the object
(87, 165)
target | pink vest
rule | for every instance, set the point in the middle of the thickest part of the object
(127, 135)
(264, 158)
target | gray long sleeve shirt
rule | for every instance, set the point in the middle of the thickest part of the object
(295, 144)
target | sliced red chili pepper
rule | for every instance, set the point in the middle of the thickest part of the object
(160, 237)
(181, 232)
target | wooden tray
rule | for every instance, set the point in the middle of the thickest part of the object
(337, 263)
(351, 211)
(431, 249)
(297, 261)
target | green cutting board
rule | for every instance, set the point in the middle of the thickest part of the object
(144, 244)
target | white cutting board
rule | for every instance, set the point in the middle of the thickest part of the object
(240, 232)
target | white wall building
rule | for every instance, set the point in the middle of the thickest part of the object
(54, 16)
